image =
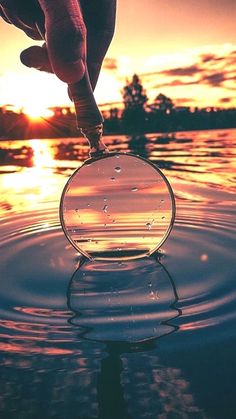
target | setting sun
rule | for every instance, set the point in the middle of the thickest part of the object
(38, 112)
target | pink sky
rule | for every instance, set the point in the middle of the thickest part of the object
(183, 48)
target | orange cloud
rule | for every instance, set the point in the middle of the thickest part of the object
(209, 77)
(110, 64)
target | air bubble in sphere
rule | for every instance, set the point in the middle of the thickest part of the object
(118, 206)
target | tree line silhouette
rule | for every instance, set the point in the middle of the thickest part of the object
(136, 117)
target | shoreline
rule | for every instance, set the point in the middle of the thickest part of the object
(163, 133)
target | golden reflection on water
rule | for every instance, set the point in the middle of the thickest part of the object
(42, 154)
(29, 189)
(200, 165)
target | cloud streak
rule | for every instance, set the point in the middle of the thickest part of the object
(110, 64)
(188, 71)
(207, 71)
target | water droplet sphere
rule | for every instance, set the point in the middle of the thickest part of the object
(136, 218)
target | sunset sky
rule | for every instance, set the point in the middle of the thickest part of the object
(185, 49)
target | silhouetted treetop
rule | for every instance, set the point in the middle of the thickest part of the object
(163, 103)
(134, 95)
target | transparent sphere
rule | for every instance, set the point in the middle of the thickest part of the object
(116, 207)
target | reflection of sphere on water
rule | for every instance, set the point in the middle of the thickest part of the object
(117, 207)
(128, 301)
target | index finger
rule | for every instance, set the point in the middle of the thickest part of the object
(62, 10)
(65, 38)
(99, 17)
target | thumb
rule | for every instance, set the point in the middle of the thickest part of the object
(36, 57)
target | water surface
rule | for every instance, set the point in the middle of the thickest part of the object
(152, 338)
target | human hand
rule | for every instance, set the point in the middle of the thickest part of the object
(77, 34)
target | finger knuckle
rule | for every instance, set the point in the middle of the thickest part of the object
(68, 43)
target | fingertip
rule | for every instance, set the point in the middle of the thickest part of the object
(36, 57)
(24, 57)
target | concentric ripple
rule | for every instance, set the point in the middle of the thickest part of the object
(48, 304)
(206, 284)
(34, 274)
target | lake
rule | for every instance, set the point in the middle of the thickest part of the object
(148, 338)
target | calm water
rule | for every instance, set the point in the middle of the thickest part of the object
(152, 338)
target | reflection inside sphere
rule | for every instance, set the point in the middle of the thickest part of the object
(128, 301)
(119, 206)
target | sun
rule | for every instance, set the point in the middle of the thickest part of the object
(35, 93)
(36, 112)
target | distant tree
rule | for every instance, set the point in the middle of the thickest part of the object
(161, 117)
(113, 113)
(163, 103)
(134, 99)
(112, 122)
(134, 95)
